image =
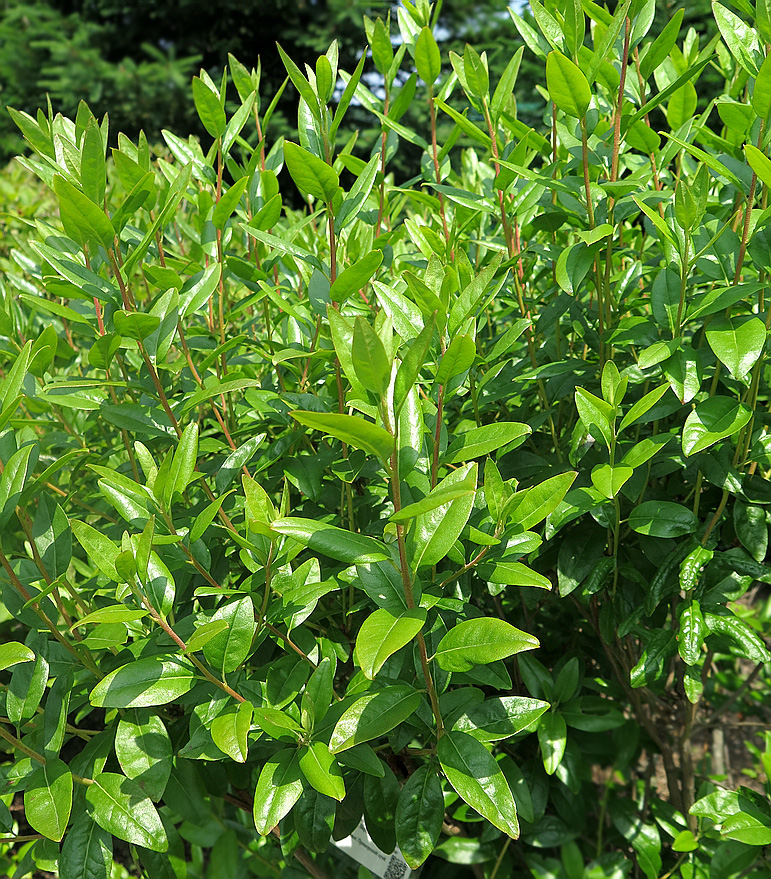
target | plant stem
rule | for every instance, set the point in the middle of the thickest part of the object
(409, 597)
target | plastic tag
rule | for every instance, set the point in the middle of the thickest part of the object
(360, 847)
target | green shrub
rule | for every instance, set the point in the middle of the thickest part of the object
(439, 503)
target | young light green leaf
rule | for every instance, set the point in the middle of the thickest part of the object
(643, 405)
(610, 480)
(428, 60)
(456, 359)
(440, 496)
(435, 531)
(529, 507)
(737, 342)
(370, 361)
(182, 464)
(567, 85)
(552, 738)
(99, 548)
(355, 277)
(113, 613)
(82, 219)
(210, 110)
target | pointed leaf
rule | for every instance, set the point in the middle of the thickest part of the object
(472, 771)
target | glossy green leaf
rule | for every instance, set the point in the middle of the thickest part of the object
(739, 37)
(597, 413)
(552, 738)
(355, 277)
(643, 405)
(228, 203)
(13, 480)
(662, 519)
(203, 634)
(567, 85)
(692, 631)
(456, 359)
(143, 749)
(278, 789)
(750, 643)
(382, 634)
(370, 361)
(610, 480)
(427, 58)
(509, 573)
(120, 806)
(228, 649)
(48, 799)
(500, 717)
(321, 770)
(207, 516)
(479, 641)
(712, 420)
(83, 220)
(230, 731)
(350, 429)
(146, 682)
(86, 851)
(311, 175)
(313, 818)
(528, 508)
(737, 342)
(482, 440)
(435, 531)
(477, 778)
(748, 828)
(12, 652)
(373, 715)
(113, 613)
(751, 529)
(337, 543)
(419, 815)
(135, 325)
(209, 108)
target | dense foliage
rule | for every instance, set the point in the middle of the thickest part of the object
(441, 503)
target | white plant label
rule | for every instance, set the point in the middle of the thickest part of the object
(360, 847)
